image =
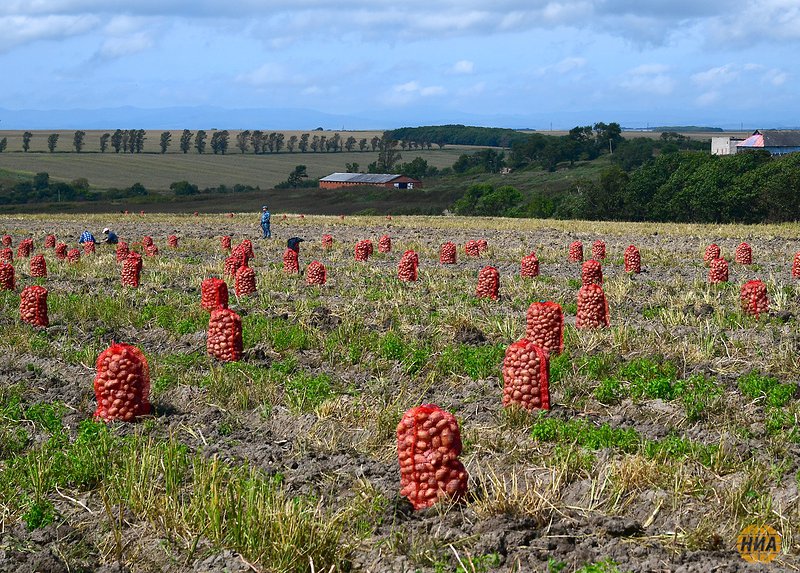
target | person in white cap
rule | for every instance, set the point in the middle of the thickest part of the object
(111, 236)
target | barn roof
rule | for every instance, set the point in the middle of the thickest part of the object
(772, 138)
(360, 177)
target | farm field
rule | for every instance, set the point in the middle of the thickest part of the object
(156, 171)
(670, 430)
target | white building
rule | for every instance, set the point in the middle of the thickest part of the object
(724, 145)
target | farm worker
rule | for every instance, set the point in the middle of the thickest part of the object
(111, 237)
(265, 223)
(294, 244)
(86, 237)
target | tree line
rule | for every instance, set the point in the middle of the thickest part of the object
(220, 142)
(675, 186)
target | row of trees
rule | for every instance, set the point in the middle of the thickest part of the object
(256, 141)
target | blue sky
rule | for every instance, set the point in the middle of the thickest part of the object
(519, 63)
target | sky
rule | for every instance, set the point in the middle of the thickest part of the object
(510, 63)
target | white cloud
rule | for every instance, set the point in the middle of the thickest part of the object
(19, 30)
(707, 98)
(649, 78)
(405, 93)
(269, 74)
(463, 67)
(717, 76)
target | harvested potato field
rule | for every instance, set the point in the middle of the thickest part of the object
(240, 406)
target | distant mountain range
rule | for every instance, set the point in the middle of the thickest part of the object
(307, 119)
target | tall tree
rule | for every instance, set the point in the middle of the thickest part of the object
(52, 141)
(104, 142)
(323, 143)
(116, 141)
(219, 141)
(26, 141)
(139, 135)
(297, 176)
(314, 143)
(291, 143)
(257, 140)
(3, 144)
(375, 142)
(362, 144)
(200, 141)
(243, 140)
(388, 156)
(186, 141)
(77, 140)
(126, 140)
(336, 142)
(271, 141)
(350, 143)
(166, 138)
(279, 142)
(303, 144)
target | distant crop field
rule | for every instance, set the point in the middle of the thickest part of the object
(157, 171)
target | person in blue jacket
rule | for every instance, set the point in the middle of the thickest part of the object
(86, 237)
(265, 216)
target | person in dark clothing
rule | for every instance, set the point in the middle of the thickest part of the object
(86, 237)
(111, 237)
(294, 244)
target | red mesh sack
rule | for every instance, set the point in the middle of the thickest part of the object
(213, 294)
(49, 241)
(447, 254)
(7, 240)
(225, 243)
(598, 250)
(428, 446)
(591, 273)
(363, 250)
(316, 273)
(471, 249)
(529, 267)
(796, 266)
(73, 256)
(754, 298)
(576, 252)
(122, 251)
(33, 305)
(488, 283)
(24, 248)
(743, 254)
(6, 276)
(89, 248)
(712, 252)
(232, 265)
(38, 266)
(131, 270)
(244, 250)
(151, 250)
(172, 241)
(122, 384)
(407, 267)
(7, 255)
(327, 241)
(633, 260)
(245, 281)
(61, 251)
(545, 326)
(147, 240)
(592, 307)
(718, 271)
(483, 246)
(291, 264)
(224, 341)
(526, 376)
(385, 244)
